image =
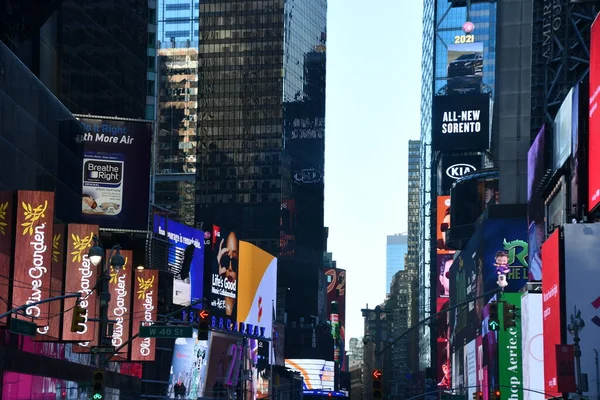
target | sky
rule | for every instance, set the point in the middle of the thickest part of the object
(372, 111)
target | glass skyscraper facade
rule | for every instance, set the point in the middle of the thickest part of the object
(396, 249)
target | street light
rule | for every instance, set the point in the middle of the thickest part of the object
(575, 326)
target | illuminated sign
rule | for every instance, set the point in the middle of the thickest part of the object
(460, 39)
(241, 327)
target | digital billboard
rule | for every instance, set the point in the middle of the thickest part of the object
(562, 135)
(465, 67)
(336, 309)
(443, 368)
(454, 167)
(317, 374)
(443, 224)
(551, 289)
(116, 172)
(224, 365)
(581, 255)
(119, 287)
(470, 380)
(461, 123)
(145, 311)
(188, 368)
(536, 169)
(532, 333)
(257, 364)
(186, 259)
(510, 365)
(223, 260)
(594, 118)
(33, 253)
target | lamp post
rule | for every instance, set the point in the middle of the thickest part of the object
(96, 254)
(574, 327)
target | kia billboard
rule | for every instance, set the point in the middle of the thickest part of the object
(33, 254)
(145, 311)
(536, 169)
(461, 122)
(223, 259)
(594, 119)
(81, 276)
(443, 224)
(453, 167)
(317, 374)
(186, 259)
(581, 255)
(116, 172)
(465, 66)
(510, 365)
(532, 333)
(188, 368)
(119, 307)
(551, 289)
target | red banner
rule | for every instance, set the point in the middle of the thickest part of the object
(6, 223)
(145, 301)
(33, 253)
(119, 309)
(51, 332)
(565, 369)
(81, 276)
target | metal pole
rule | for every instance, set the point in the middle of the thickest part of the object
(14, 310)
(597, 375)
(578, 361)
(104, 301)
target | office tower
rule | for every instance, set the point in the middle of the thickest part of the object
(261, 94)
(396, 249)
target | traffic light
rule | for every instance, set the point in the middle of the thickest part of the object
(493, 323)
(496, 394)
(78, 318)
(203, 325)
(98, 386)
(478, 395)
(377, 384)
(509, 314)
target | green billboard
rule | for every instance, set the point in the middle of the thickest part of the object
(510, 362)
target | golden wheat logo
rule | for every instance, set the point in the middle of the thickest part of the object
(32, 215)
(80, 245)
(55, 247)
(114, 274)
(143, 286)
(3, 224)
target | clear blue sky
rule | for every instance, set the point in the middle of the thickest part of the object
(373, 96)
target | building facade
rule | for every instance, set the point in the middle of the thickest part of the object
(395, 251)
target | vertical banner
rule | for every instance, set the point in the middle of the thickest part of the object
(51, 332)
(119, 287)
(80, 276)
(33, 253)
(6, 223)
(145, 301)
(510, 354)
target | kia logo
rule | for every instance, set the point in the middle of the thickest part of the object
(458, 170)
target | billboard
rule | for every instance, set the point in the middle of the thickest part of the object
(336, 309)
(594, 118)
(532, 332)
(454, 167)
(465, 66)
(443, 224)
(317, 374)
(536, 169)
(443, 367)
(224, 264)
(461, 123)
(510, 365)
(33, 253)
(224, 365)
(145, 311)
(188, 368)
(562, 134)
(116, 172)
(257, 364)
(581, 254)
(471, 368)
(186, 260)
(119, 287)
(81, 276)
(551, 309)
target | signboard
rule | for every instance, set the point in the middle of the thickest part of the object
(510, 353)
(461, 122)
(119, 310)
(145, 304)
(169, 332)
(454, 167)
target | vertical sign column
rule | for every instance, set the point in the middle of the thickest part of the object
(119, 309)
(510, 347)
(145, 302)
(6, 237)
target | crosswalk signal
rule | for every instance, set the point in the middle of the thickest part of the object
(377, 384)
(509, 314)
(78, 319)
(98, 386)
(203, 325)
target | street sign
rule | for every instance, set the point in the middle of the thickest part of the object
(170, 332)
(103, 349)
(22, 327)
(493, 325)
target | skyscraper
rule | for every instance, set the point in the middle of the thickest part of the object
(396, 249)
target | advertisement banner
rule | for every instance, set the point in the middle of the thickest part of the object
(188, 368)
(33, 253)
(81, 276)
(145, 311)
(257, 364)
(465, 66)
(225, 259)
(317, 374)
(471, 368)
(336, 298)
(6, 223)
(116, 172)
(257, 290)
(52, 330)
(453, 167)
(443, 224)
(510, 362)
(562, 134)
(119, 309)
(186, 259)
(594, 119)
(551, 305)
(224, 365)
(532, 330)
(461, 123)
(536, 168)
(581, 253)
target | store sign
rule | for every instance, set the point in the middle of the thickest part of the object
(459, 170)
(119, 287)
(241, 327)
(145, 303)
(510, 354)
